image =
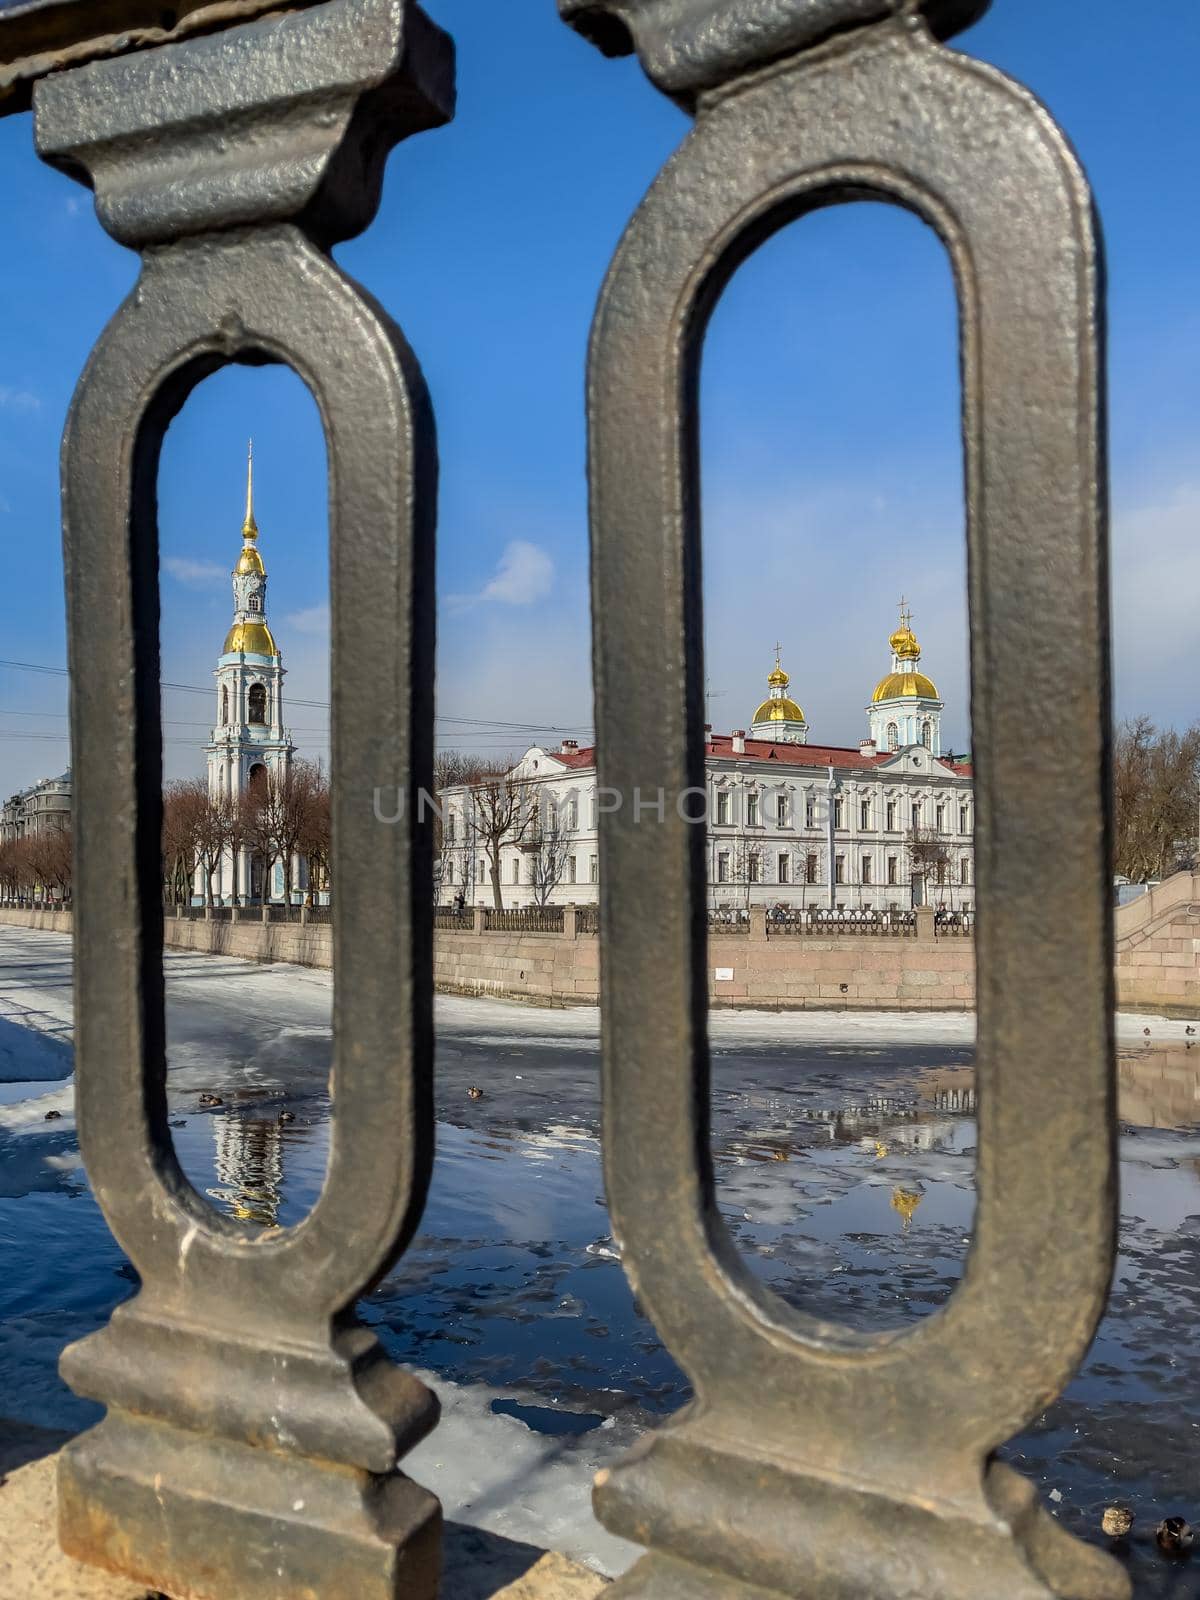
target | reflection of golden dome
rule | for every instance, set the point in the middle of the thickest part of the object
(904, 685)
(906, 1201)
(784, 710)
(250, 638)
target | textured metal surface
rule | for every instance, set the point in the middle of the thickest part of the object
(687, 46)
(253, 1430)
(818, 1462)
(38, 37)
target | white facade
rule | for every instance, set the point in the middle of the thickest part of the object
(788, 823)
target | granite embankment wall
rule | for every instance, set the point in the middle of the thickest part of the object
(1158, 948)
(1157, 959)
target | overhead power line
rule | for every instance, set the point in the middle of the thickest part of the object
(483, 724)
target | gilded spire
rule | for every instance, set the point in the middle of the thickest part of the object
(250, 527)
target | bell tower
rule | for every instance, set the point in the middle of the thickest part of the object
(249, 736)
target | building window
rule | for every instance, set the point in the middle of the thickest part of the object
(258, 703)
(810, 813)
(964, 820)
(723, 867)
(893, 874)
(864, 815)
(838, 809)
(781, 810)
(592, 811)
(449, 872)
(866, 869)
(479, 871)
(752, 810)
(571, 869)
(785, 869)
(964, 871)
(224, 705)
(573, 816)
(255, 603)
(916, 814)
(810, 869)
(450, 827)
(722, 808)
(893, 736)
(941, 819)
(752, 868)
(839, 869)
(516, 871)
(594, 869)
(891, 816)
(927, 735)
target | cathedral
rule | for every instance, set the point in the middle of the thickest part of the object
(789, 823)
(249, 743)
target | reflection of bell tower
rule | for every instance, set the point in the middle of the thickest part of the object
(249, 1163)
(249, 732)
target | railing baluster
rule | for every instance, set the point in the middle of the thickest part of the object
(815, 1461)
(253, 1430)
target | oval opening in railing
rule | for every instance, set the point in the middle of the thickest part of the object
(839, 858)
(247, 870)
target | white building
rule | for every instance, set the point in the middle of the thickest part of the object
(889, 825)
(249, 741)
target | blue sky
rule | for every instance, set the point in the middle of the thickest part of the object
(832, 466)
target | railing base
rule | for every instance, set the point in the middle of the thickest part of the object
(249, 1525)
(726, 1527)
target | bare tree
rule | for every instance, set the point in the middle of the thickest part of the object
(551, 842)
(49, 855)
(1156, 779)
(314, 839)
(928, 857)
(498, 814)
(453, 835)
(185, 803)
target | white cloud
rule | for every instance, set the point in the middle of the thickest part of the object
(197, 574)
(18, 399)
(525, 574)
(312, 620)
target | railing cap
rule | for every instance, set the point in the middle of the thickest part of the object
(687, 46)
(38, 37)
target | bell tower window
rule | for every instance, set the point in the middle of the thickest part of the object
(254, 603)
(258, 703)
(224, 705)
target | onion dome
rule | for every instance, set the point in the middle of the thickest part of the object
(778, 708)
(904, 682)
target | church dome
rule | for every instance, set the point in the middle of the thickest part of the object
(904, 686)
(778, 708)
(250, 561)
(781, 710)
(250, 638)
(904, 643)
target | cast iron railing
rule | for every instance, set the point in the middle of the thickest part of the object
(253, 1428)
(524, 919)
(807, 1465)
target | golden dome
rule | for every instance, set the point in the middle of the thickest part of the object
(250, 561)
(904, 644)
(783, 710)
(250, 638)
(779, 678)
(905, 686)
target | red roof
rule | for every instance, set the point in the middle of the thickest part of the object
(791, 755)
